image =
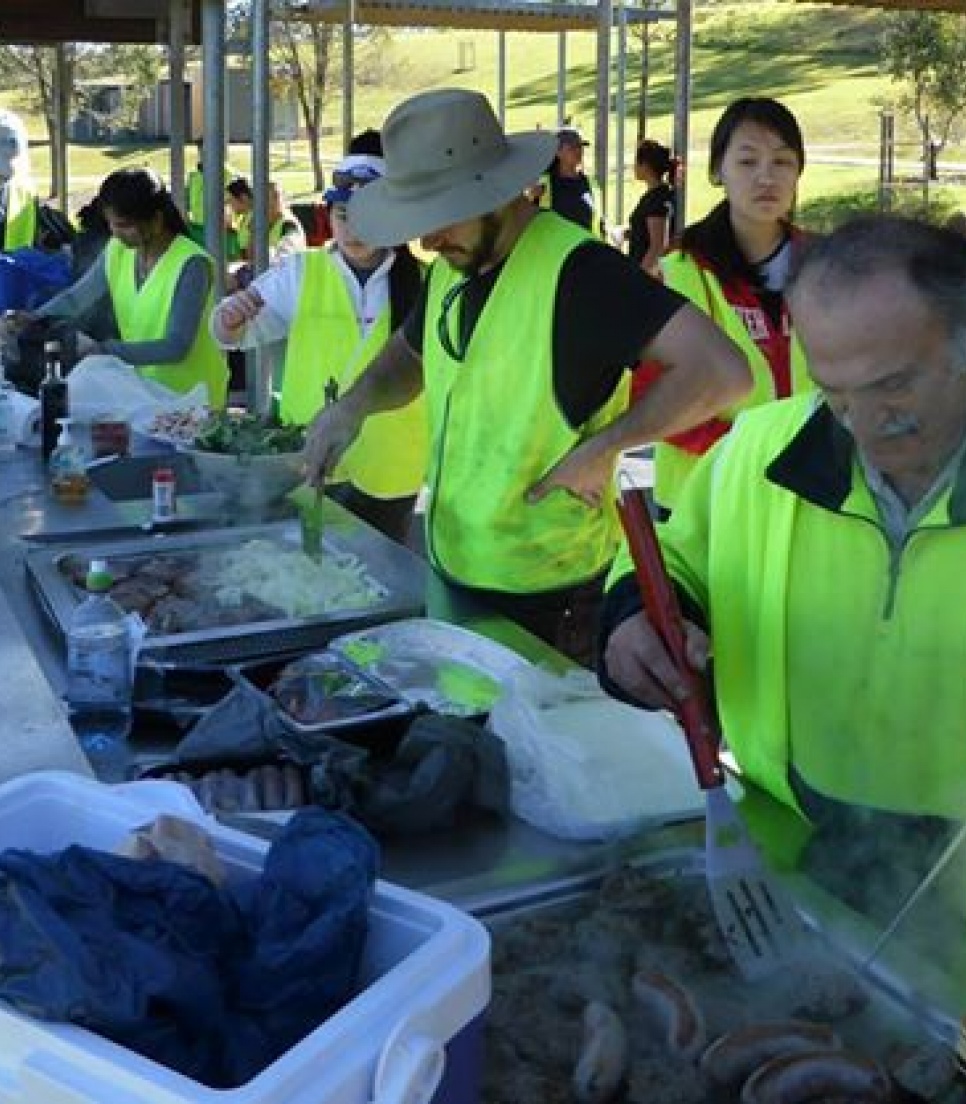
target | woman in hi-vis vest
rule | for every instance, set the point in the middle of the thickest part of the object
(336, 306)
(734, 264)
(159, 285)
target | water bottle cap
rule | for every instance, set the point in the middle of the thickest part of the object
(99, 576)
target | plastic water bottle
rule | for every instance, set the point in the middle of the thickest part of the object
(99, 677)
(8, 443)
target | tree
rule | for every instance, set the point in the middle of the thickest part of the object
(927, 51)
(300, 60)
(301, 54)
(32, 71)
(647, 34)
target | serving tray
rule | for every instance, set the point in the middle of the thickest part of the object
(394, 577)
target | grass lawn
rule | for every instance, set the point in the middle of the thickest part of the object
(820, 61)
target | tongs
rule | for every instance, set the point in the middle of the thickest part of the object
(310, 513)
(756, 918)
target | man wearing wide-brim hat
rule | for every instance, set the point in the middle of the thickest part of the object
(522, 340)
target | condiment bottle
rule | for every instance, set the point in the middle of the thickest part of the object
(68, 472)
(163, 494)
(53, 398)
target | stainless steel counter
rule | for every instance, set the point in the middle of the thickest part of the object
(481, 864)
(482, 860)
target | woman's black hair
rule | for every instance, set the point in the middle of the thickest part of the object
(239, 188)
(762, 110)
(139, 195)
(368, 142)
(656, 157)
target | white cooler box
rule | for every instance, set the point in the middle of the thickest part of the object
(412, 1036)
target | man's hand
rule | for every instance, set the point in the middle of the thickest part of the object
(14, 322)
(586, 473)
(328, 436)
(637, 661)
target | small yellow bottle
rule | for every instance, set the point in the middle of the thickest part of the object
(68, 473)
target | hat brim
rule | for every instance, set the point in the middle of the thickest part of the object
(386, 213)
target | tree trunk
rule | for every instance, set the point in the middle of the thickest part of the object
(315, 155)
(644, 78)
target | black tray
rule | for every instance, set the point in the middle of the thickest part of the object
(379, 729)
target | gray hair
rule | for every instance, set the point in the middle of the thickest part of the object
(931, 258)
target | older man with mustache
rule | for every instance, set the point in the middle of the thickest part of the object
(821, 547)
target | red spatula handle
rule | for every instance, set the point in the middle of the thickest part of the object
(664, 613)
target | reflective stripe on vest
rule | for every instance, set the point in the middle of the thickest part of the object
(142, 315)
(21, 226)
(496, 429)
(681, 272)
(388, 458)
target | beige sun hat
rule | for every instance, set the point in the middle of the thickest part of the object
(447, 159)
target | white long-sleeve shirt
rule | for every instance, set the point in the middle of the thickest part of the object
(280, 288)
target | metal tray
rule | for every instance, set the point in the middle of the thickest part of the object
(838, 942)
(397, 574)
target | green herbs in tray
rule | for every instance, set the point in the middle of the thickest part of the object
(248, 435)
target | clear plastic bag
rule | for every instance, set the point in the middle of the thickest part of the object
(102, 383)
(584, 766)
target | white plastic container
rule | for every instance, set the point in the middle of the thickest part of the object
(413, 1036)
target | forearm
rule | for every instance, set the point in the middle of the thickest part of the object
(81, 297)
(704, 373)
(649, 262)
(393, 379)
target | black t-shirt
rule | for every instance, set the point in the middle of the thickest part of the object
(572, 198)
(605, 313)
(656, 202)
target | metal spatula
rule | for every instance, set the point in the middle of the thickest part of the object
(756, 918)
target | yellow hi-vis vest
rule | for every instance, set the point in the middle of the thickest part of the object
(21, 225)
(496, 429)
(195, 199)
(142, 315)
(388, 458)
(672, 465)
(832, 651)
(244, 225)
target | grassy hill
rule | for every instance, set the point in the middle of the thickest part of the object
(821, 61)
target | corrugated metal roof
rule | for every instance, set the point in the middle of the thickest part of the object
(29, 23)
(518, 15)
(901, 5)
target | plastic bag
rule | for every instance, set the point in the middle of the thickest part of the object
(584, 766)
(107, 383)
(29, 277)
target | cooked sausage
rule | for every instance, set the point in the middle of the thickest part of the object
(732, 1058)
(602, 1064)
(670, 1005)
(271, 787)
(248, 793)
(820, 1075)
(294, 795)
(927, 1070)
